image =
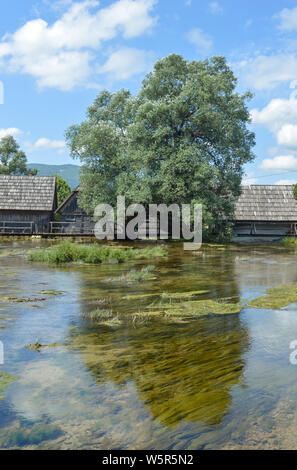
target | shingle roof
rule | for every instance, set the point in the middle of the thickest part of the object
(266, 203)
(30, 193)
(68, 198)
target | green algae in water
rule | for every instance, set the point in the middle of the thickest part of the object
(276, 297)
(52, 292)
(5, 380)
(11, 299)
(192, 309)
(103, 316)
(33, 435)
(144, 274)
(140, 296)
(183, 295)
(202, 307)
(191, 386)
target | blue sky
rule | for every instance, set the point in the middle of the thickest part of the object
(55, 56)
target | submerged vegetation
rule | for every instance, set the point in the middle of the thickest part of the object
(103, 316)
(33, 435)
(5, 380)
(195, 308)
(37, 346)
(67, 252)
(144, 274)
(276, 297)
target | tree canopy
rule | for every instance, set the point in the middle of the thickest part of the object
(63, 189)
(13, 161)
(183, 138)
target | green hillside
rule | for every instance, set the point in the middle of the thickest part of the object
(69, 172)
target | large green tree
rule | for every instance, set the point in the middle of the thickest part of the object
(13, 161)
(183, 138)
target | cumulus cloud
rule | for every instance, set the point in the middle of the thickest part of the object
(268, 72)
(287, 136)
(14, 131)
(280, 117)
(60, 55)
(279, 163)
(201, 40)
(276, 114)
(126, 62)
(288, 19)
(46, 144)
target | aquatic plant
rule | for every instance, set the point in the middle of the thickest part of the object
(144, 274)
(98, 314)
(33, 435)
(103, 316)
(183, 295)
(5, 380)
(183, 374)
(37, 346)
(290, 242)
(276, 297)
(68, 252)
(9, 298)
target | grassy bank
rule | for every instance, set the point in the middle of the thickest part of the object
(67, 252)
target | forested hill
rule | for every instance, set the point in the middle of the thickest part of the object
(69, 172)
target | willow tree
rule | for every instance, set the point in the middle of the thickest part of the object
(183, 138)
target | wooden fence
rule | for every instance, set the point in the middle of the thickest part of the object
(14, 228)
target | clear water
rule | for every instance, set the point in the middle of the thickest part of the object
(214, 382)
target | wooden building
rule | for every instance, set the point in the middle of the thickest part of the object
(266, 210)
(27, 203)
(73, 219)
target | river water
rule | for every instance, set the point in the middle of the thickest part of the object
(215, 382)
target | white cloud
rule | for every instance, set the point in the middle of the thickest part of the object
(10, 131)
(215, 8)
(287, 136)
(288, 19)
(282, 162)
(280, 117)
(201, 40)
(126, 62)
(276, 114)
(60, 55)
(46, 144)
(267, 72)
(285, 182)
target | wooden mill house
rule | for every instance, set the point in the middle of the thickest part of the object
(27, 203)
(266, 210)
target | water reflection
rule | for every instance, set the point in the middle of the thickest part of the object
(215, 382)
(182, 373)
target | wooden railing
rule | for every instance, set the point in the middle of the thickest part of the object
(70, 227)
(12, 227)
